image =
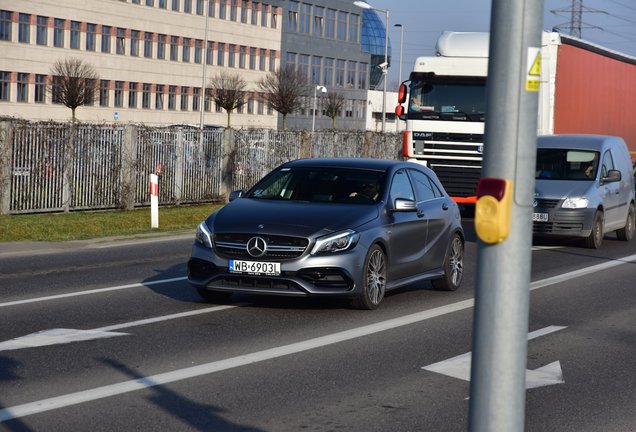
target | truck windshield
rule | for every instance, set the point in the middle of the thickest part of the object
(566, 164)
(447, 99)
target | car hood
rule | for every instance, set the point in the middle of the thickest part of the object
(296, 218)
(560, 189)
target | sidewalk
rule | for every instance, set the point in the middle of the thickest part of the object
(8, 249)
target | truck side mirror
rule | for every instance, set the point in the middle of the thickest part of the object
(402, 93)
(399, 112)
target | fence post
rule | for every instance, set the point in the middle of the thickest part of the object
(178, 167)
(306, 139)
(6, 165)
(129, 161)
(227, 163)
(367, 143)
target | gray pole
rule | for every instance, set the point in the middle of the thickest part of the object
(385, 70)
(500, 327)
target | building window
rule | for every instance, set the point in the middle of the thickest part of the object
(75, 35)
(244, 11)
(132, 95)
(231, 55)
(5, 83)
(250, 104)
(220, 55)
(5, 25)
(319, 20)
(172, 97)
(40, 88)
(222, 9)
(274, 23)
(208, 54)
(136, 1)
(91, 29)
(261, 60)
(134, 43)
(264, 15)
(330, 24)
(119, 94)
(303, 65)
(121, 41)
(327, 77)
(187, 6)
(103, 92)
(362, 75)
(195, 98)
(199, 7)
(351, 74)
(242, 51)
(290, 60)
(198, 48)
(211, 7)
(56, 93)
(161, 46)
(233, 10)
(254, 13)
(175, 5)
(272, 61)
(340, 72)
(252, 58)
(174, 48)
(23, 87)
(207, 105)
(106, 39)
(260, 104)
(24, 28)
(305, 18)
(145, 96)
(218, 108)
(342, 25)
(184, 98)
(58, 33)
(148, 45)
(292, 15)
(185, 54)
(42, 28)
(354, 24)
(316, 66)
(159, 97)
(163, 4)
(150, 3)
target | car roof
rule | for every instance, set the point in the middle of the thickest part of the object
(360, 163)
(577, 141)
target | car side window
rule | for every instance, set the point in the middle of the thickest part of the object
(608, 164)
(425, 189)
(401, 186)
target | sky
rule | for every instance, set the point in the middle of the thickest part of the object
(609, 23)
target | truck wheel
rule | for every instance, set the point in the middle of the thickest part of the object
(453, 267)
(596, 236)
(374, 280)
(214, 296)
(627, 232)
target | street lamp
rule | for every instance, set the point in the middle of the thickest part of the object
(384, 66)
(322, 90)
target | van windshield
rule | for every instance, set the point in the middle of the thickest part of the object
(566, 164)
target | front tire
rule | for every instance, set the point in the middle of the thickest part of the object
(595, 238)
(453, 266)
(374, 280)
(627, 232)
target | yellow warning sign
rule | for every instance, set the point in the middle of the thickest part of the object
(534, 69)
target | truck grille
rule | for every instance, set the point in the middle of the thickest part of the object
(459, 181)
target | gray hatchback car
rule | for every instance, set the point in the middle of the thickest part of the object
(352, 228)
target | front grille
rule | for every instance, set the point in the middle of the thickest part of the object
(255, 283)
(547, 203)
(279, 248)
(457, 180)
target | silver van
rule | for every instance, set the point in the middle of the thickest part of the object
(584, 188)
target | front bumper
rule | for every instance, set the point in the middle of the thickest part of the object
(564, 222)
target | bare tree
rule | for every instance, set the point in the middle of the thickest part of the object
(333, 106)
(284, 90)
(74, 83)
(228, 91)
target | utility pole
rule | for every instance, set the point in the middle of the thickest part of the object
(503, 219)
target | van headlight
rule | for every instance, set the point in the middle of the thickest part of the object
(338, 242)
(203, 235)
(575, 203)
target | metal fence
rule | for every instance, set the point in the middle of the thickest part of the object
(109, 166)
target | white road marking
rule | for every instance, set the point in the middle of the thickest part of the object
(143, 241)
(55, 337)
(95, 291)
(221, 365)
(459, 366)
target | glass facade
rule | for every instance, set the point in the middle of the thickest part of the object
(372, 40)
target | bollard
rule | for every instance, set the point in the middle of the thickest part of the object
(154, 201)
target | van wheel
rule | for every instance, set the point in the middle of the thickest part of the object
(627, 232)
(453, 267)
(596, 236)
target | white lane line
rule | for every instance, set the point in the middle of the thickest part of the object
(143, 241)
(95, 291)
(221, 365)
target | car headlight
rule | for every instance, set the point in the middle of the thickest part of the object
(575, 203)
(338, 242)
(203, 235)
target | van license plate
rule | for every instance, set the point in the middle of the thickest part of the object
(539, 217)
(255, 267)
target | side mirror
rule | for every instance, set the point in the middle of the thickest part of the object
(399, 112)
(612, 176)
(236, 194)
(402, 93)
(404, 205)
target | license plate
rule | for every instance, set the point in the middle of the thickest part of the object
(255, 267)
(539, 217)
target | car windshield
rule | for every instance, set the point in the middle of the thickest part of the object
(320, 184)
(566, 164)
